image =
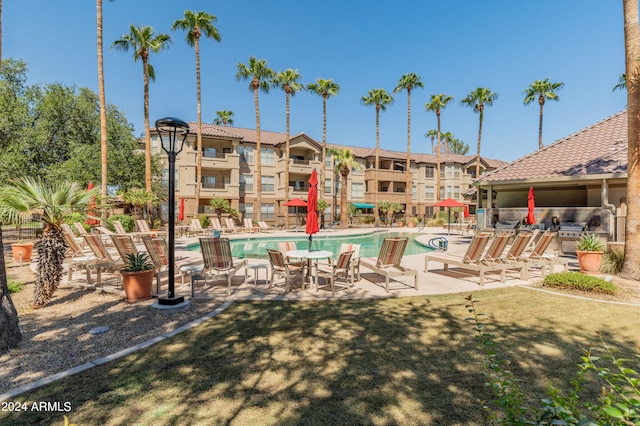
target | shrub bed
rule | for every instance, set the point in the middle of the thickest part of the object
(579, 281)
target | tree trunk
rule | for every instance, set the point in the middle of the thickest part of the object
(481, 111)
(104, 141)
(631, 266)
(343, 198)
(199, 137)
(256, 84)
(408, 185)
(438, 149)
(375, 184)
(286, 170)
(541, 102)
(147, 131)
(324, 149)
(10, 334)
(51, 255)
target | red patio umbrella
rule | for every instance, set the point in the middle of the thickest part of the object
(312, 203)
(531, 204)
(296, 202)
(465, 212)
(91, 211)
(181, 210)
(448, 203)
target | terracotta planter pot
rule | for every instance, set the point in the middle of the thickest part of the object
(589, 261)
(22, 252)
(137, 285)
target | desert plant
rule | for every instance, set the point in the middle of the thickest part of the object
(136, 262)
(578, 281)
(219, 205)
(14, 286)
(204, 220)
(612, 260)
(590, 242)
(127, 222)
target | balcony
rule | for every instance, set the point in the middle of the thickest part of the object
(218, 161)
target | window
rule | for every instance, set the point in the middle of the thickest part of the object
(357, 190)
(456, 171)
(226, 150)
(246, 183)
(430, 172)
(328, 161)
(449, 192)
(327, 186)
(428, 211)
(441, 192)
(414, 193)
(449, 171)
(267, 156)
(267, 211)
(298, 185)
(456, 192)
(209, 182)
(246, 210)
(268, 183)
(429, 193)
(209, 152)
(246, 154)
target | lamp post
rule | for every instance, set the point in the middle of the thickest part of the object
(176, 132)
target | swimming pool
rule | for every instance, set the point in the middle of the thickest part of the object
(369, 244)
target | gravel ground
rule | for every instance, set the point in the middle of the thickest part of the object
(56, 338)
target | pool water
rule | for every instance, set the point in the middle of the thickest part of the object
(369, 244)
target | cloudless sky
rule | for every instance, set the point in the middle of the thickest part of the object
(455, 46)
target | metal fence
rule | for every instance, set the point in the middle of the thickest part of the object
(27, 228)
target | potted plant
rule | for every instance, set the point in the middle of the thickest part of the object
(137, 276)
(22, 251)
(589, 249)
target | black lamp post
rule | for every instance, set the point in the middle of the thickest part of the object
(176, 132)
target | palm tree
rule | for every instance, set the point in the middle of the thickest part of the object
(325, 88)
(437, 104)
(1, 33)
(431, 134)
(379, 98)
(477, 99)
(260, 76)
(223, 117)
(622, 83)
(542, 90)
(344, 162)
(104, 142)
(408, 82)
(197, 24)
(631, 265)
(139, 198)
(142, 41)
(52, 201)
(287, 80)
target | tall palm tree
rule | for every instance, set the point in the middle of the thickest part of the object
(260, 76)
(477, 99)
(223, 117)
(325, 88)
(197, 24)
(104, 142)
(431, 134)
(379, 98)
(631, 265)
(622, 83)
(344, 162)
(542, 90)
(408, 82)
(0, 33)
(437, 104)
(143, 41)
(287, 80)
(52, 201)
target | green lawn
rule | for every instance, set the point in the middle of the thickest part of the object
(393, 361)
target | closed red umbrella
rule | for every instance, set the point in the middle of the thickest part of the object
(465, 212)
(531, 204)
(91, 211)
(312, 204)
(181, 210)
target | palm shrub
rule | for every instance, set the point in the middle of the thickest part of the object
(219, 205)
(137, 262)
(53, 201)
(127, 222)
(590, 242)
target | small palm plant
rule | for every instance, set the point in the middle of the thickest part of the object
(137, 262)
(53, 201)
(590, 242)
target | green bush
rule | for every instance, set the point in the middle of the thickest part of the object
(14, 286)
(590, 242)
(72, 218)
(204, 220)
(579, 281)
(612, 260)
(436, 222)
(127, 222)
(368, 219)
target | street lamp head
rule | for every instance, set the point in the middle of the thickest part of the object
(172, 127)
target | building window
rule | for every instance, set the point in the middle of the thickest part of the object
(246, 183)
(328, 162)
(429, 193)
(267, 156)
(430, 172)
(209, 182)
(357, 190)
(327, 186)
(449, 171)
(246, 154)
(441, 192)
(209, 152)
(414, 192)
(456, 171)
(456, 192)
(268, 212)
(428, 211)
(247, 210)
(268, 183)
(449, 192)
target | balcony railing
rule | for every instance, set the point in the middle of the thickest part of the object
(299, 162)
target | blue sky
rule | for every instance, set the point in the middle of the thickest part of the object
(455, 46)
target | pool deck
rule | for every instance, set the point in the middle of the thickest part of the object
(371, 285)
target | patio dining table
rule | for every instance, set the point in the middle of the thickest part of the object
(310, 255)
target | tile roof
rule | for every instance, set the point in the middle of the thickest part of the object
(598, 149)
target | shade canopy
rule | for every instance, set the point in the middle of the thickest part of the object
(449, 202)
(363, 206)
(296, 202)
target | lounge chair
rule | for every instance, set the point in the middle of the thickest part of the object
(159, 254)
(389, 261)
(230, 225)
(266, 228)
(104, 260)
(124, 245)
(143, 229)
(355, 258)
(284, 269)
(67, 228)
(216, 254)
(540, 257)
(195, 228)
(80, 228)
(79, 259)
(248, 225)
(341, 268)
(215, 224)
(473, 258)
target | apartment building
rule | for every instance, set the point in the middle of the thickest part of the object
(229, 171)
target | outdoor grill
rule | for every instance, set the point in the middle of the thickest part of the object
(506, 227)
(568, 234)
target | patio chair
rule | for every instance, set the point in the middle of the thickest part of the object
(341, 268)
(143, 229)
(389, 261)
(195, 228)
(539, 257)
(283, 269)
(248, 225)
(67, 228)
(80, 228)
(104, 261)
(124, 245)
(230, 225)
(266, 228)
(215, 224)
(80, 259)
(216, 254)
(473, 258)
(355, 258)
(159, 254)
(284, 247)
